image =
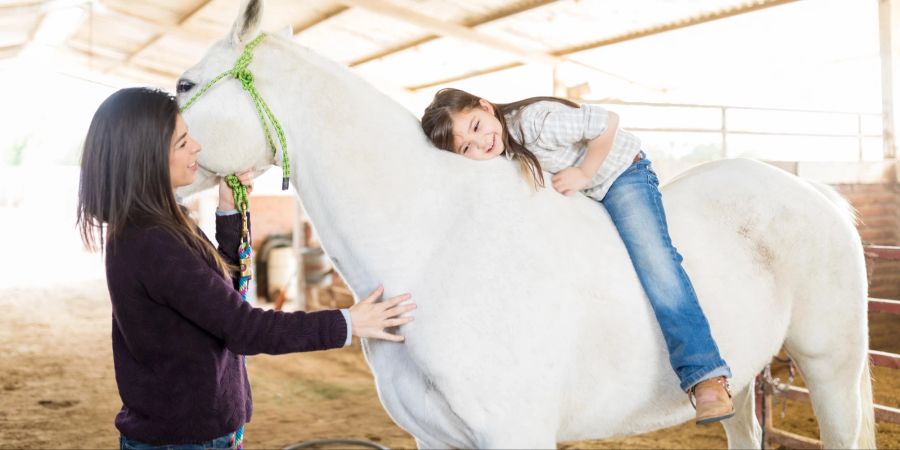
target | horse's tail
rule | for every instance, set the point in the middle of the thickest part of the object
(837, 199)
(866, 437)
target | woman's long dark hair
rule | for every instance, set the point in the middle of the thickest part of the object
(437, 123)
(125, 173)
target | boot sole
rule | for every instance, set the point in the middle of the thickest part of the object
(709, 420)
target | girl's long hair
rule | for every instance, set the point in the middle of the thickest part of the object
(437, 123)
(125, 177)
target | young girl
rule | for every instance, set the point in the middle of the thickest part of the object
(586, 151)
(178, 324)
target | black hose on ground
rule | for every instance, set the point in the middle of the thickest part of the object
(356, 442)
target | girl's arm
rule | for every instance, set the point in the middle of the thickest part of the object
(573, 179)
(599, 147)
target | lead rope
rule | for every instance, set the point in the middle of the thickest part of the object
(238, 190)
(242, 73)
(241, 203)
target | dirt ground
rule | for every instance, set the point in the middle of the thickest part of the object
(58, 390)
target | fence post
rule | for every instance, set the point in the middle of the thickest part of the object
(859, 135)
(724, 134)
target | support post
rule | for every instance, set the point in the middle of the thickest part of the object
(299, 246)
(889, 43)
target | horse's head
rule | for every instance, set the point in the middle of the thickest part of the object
(223, 117)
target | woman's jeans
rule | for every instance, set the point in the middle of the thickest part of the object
(636, 208)
(229, 441)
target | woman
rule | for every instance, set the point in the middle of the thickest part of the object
(179, 326)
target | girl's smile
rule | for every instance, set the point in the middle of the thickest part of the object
(477, 133)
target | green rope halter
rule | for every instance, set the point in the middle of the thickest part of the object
(242, 73)
(238, 190)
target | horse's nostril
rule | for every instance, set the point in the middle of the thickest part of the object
(184, 86)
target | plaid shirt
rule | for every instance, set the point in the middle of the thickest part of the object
(558, 135)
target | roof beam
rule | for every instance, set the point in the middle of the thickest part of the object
(629, 36)
(108, 59)
(675, 25)
(21, 7)
(186, 18)
(10, 51)
(92, 50)
(303, 26)
(502, 13)
(116, 59)
(35, 28)
(159, 27)
(461, 32)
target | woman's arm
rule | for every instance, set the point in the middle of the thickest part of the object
(174, 275)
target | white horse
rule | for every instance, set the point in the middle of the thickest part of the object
(532, 327)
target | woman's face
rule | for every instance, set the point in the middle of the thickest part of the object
(477, 134)
(182, 156)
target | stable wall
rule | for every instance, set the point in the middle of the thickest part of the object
(879, 223)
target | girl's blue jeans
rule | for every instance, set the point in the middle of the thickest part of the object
(635, 205)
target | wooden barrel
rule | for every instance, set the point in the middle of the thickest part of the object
(316, 268)
(281, 268)
(260, 258)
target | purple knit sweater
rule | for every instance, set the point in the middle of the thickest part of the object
(178, 328)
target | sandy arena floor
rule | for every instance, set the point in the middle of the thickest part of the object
(57, 386)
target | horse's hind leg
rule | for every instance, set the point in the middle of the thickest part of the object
(504, 434)
(743, 429)
(832, 369)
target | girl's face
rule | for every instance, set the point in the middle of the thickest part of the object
(477, 134)
(182, 156)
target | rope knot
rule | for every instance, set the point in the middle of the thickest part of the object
(245, 76)
(239, 191)
(233, 182)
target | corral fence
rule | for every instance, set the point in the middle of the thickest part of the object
(730, 131)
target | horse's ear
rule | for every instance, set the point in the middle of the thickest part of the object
(247, 23)
(287, 31)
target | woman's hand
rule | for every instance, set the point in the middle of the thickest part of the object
(370, 319)
(226, 198)
(570, 180)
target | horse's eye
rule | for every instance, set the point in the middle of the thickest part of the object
(184, 86)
